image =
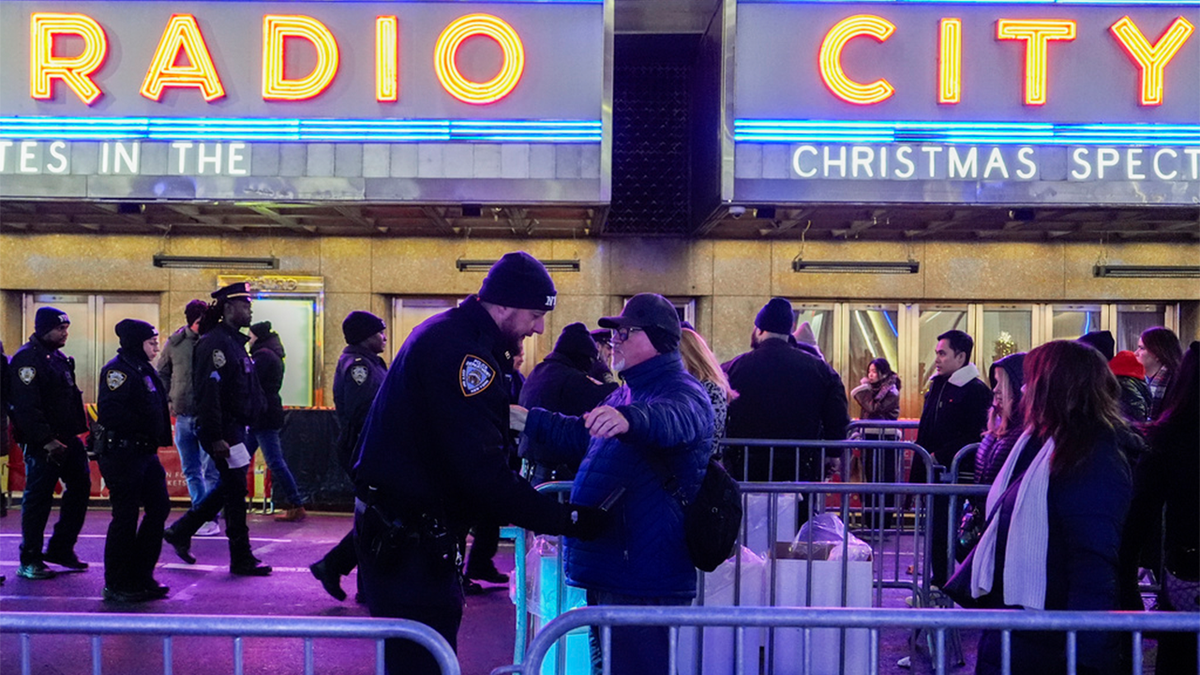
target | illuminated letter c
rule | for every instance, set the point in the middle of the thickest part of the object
(831, 59)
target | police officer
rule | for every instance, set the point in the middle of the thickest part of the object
(359, 375)
(228, 397)
(134, 423)
(47, 413)
(433, 457)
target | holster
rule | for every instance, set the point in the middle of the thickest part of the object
(393, 536)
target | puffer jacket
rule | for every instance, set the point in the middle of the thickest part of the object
(643, 552)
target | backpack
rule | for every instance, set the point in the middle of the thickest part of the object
(711, 521)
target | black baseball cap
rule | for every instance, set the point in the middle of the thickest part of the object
(646, 310)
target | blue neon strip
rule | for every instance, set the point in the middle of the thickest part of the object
(1132, 3)
(299, 130)
(1000, 133)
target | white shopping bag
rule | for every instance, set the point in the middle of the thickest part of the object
(718, 643)
(758, 506)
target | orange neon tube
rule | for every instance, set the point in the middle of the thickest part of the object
(835, 77)
(1151, 60)
(446, 49)
(182, 34)
(1037, 34)
(75, 71)
(387, 59)
(950, 62)
(277, 29)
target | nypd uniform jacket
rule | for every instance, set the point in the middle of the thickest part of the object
(46, 403)
(228, 396)
(132, 404)
(436, 439)
(359, 376)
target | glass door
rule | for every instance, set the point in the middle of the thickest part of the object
(873, 333)
(1007, 329)
(932, 321)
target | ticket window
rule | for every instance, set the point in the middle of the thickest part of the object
(92, 340)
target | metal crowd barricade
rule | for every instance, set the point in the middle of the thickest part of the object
(938, 622)
(521, 592)
(169, 626)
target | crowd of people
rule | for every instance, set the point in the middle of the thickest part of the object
(1082, 447)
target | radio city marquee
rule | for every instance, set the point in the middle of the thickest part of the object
(337, 90)
(1005, 101)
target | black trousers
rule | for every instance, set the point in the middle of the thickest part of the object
(229, 498)
(41, 475)
(136, 482)
(484, 544)
(412, 585)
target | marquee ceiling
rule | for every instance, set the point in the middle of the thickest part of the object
(811, 222)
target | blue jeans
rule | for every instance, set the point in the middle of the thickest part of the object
(636, 650)
(198, 468)
(282, 480)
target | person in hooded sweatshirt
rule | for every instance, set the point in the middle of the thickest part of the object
(136, 422)
(267, 352)
(561, 383)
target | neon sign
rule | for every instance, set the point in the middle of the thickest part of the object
(182, 58)
(1151, 60)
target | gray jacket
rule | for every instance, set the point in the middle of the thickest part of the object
(175, 369)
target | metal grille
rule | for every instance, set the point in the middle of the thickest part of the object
(650, 157)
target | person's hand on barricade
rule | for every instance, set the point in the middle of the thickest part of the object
(585, 522)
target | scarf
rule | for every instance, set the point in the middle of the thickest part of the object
(1028, 532)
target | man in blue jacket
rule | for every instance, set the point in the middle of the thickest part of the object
(646, 450)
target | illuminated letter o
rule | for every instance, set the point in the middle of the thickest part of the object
(479, 93)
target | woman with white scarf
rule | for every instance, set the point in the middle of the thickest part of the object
(1055, 512)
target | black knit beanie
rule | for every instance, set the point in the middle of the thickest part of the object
(576, 343)
(261, 329)
(133, 334)
(47, 319)
(518, 280)
(359, 325)
(776, 317)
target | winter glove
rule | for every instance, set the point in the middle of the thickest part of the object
(585, 522)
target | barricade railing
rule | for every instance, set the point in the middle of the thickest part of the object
(169, 626)
(905, 429)
(873, 621)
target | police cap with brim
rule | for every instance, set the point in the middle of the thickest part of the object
(235, 291)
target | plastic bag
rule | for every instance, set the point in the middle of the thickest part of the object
(827, 532)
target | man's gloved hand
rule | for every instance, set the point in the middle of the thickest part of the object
(585, 522)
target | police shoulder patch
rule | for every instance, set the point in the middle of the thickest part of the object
(475, 375)
(218, 358)
(115, 379)
(27, 374)
(358, 374)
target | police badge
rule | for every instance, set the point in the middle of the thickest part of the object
(358, 374)
(475, 375)
(27, 374)
(218, 358)
(115, 379)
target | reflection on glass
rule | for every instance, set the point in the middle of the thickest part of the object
(873, 334)
(821, 321)
(293, 319)
(935, 321)
(1074, 321)
(1133, 319)
(1005, 331)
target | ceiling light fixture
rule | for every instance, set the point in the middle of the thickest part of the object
(855, 267)
(220, 262)
(1148, 271)
(485, 265)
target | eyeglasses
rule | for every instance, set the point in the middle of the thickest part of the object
(622, 334)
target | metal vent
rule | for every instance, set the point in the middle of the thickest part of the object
(651, 156)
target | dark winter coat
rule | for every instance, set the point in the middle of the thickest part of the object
(954, 416)
(1087, 506)
(783, 393)
(359, 375)
(643, 553)
(437, 436)
(5, 396)
(228, 396)
(268, 358)
(559, 384)
(46, 404)
(132, 403)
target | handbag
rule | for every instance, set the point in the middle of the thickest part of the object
(712, 520)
